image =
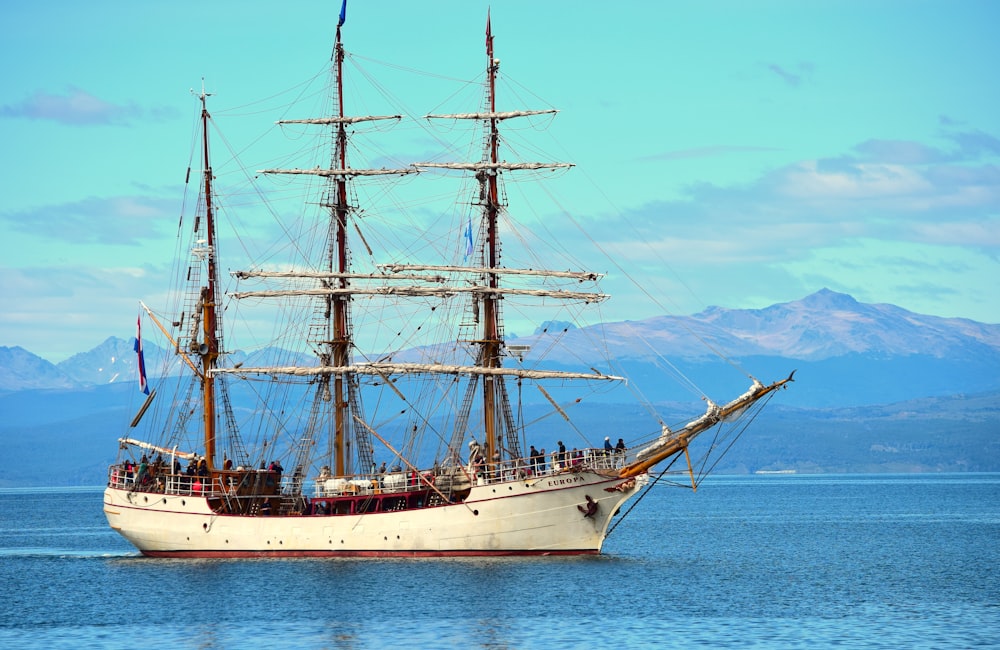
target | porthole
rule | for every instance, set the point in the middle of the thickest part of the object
(475, 512)
(145, 499)
(205, 526)
(183, 502)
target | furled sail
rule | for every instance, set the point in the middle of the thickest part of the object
(494, 115)
(386, 368)
(423, 291)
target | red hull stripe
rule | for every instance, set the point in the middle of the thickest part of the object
(375, 554)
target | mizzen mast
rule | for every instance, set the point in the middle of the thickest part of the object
(209, 348)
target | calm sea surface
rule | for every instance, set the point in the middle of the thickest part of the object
(868, 561)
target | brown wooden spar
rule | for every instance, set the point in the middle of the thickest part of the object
(340, 340)
(674, 442)
(335, 338)
(495, 400)
(209, 349)
(491, 339)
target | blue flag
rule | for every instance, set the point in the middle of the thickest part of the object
(468, 239)
(343, 13)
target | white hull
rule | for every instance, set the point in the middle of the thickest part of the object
(540, 516)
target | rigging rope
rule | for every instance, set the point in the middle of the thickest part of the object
(643, 496)
(746, 421)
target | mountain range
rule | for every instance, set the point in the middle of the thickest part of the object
(847, 353)
(920, 392)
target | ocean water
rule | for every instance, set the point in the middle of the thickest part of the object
(860, 561)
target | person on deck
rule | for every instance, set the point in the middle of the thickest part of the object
(143, 474)
(475, 457)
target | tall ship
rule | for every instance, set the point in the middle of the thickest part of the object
(419, 448)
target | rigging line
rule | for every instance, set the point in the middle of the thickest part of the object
(232, 111)
(395, 66)
(680, 376)
(632, 280)
(417, 118)
(600, 188)
(758, 408)
(512, 83)
(252, 182)
(413, 409)
(408, 464)
(645, 291)
(642, 496)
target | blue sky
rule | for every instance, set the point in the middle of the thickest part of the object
(729, 153)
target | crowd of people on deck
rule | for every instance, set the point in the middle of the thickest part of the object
(196, 477)
(152, 476)
(538, 461)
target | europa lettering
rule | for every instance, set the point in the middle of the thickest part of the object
(565, 481)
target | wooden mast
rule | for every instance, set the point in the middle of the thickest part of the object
(340, 339)
(335, 336)
(209, 350)
(491, 324)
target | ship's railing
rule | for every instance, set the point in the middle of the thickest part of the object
(397, 480)
(227, 484)
(120, 477)
(549, 464)
(158, 480)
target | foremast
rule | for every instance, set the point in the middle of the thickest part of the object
(209, 348)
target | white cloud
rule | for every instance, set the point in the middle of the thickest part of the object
(78, 107)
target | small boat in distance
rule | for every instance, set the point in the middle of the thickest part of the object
(296, 475)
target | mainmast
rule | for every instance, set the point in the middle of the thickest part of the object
(340, 338)
(491, 318)
(335, 290)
